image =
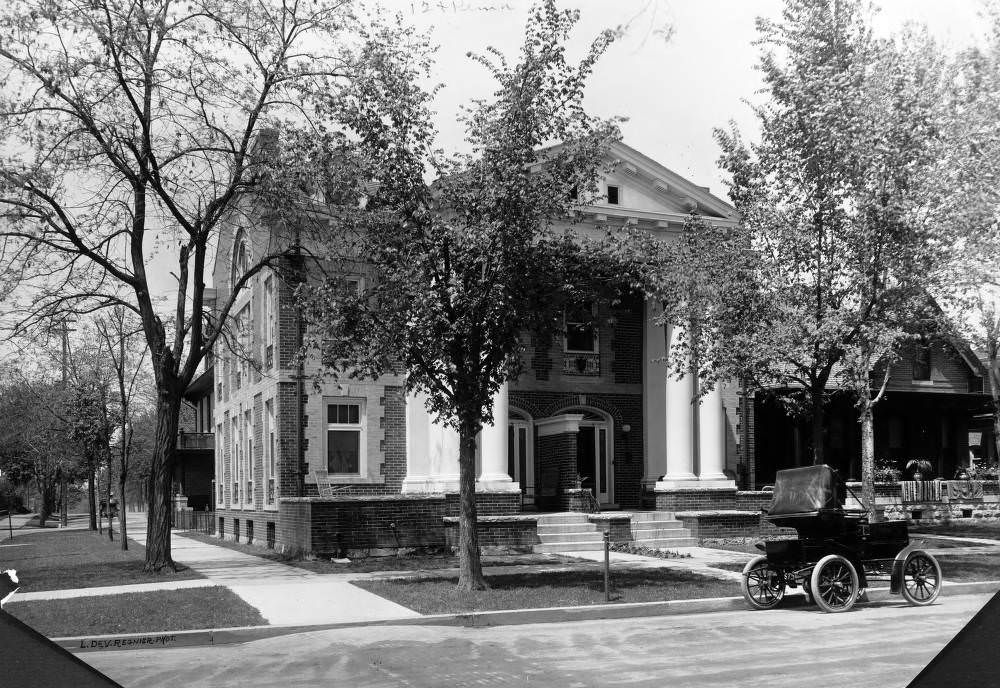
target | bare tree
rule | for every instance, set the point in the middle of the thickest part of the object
(129, 129)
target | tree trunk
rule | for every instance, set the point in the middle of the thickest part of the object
(994, 380)
(121, 511)
(160, 484)
(92, 496)
(818, 423)
(470, 576)
(866, 418)
(64, 502)
(97, 489)
(46, 494)
(111, 517)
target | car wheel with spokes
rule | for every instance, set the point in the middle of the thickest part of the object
(921, 578)
(762, 586)
(834, 583)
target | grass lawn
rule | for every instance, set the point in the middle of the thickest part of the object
(78, 559)
(970, 567)
(549, 589)
(964, 528)
(427, 561)
(163, 610)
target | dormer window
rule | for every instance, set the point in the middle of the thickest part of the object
(613, 196)
(922, 361)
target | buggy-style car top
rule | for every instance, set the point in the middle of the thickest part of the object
(837, 551)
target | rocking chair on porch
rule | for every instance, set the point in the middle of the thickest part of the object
(323, 486)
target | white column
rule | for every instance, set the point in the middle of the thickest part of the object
(443, 447)
(680, 424)
(654, 407)
(417, 456)
(431, 451)
(493, 450)
(712, 440)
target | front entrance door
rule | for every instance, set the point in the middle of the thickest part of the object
(520, 466)
(593, 461)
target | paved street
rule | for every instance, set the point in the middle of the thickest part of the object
(882, 646)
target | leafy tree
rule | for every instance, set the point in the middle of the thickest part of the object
(964, 188)
(129, 129)
(459, 270)
(829, 203)
(34, 438)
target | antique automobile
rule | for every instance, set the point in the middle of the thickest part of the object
(838, 551)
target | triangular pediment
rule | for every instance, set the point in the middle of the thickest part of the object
(648, 188)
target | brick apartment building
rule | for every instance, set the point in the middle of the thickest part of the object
(360, 465)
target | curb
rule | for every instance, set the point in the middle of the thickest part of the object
(225, 636)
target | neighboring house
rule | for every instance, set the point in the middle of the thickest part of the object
(194, 465)
(937, 407)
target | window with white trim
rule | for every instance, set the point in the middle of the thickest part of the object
(345, 437)
(248, 458)
(234, 461)
(268, 343)
(581, 329)
(269, 450)
(220, 480)
(241, 259)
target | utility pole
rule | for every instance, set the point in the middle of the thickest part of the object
(64, 487)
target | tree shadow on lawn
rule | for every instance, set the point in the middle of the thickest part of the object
(548, 589)
(80, 559)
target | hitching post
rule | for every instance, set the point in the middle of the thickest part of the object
(607, 565)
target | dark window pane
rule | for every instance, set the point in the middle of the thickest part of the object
(579, 338)
(612, 195)
(342, 451)
(922, 363)
(353, 414)
(602, 471)
(510, 453)
(522, 449)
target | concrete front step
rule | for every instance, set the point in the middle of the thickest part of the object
(561, 518)
(666, 543)
(656, 525)
(579, 546)
(568, 532)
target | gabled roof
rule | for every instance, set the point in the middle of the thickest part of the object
(668, 184)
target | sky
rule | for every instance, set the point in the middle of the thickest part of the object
(673, 91)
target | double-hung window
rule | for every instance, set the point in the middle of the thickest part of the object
(922, 361)
(268, 356)
(345, 437)
(269, 458)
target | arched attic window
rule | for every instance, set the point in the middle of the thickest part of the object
(241, 258)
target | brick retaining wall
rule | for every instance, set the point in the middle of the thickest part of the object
(340, 525)
(507, 533)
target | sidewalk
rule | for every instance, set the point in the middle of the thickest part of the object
(285, 595)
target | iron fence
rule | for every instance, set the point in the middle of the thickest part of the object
(189, 519)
